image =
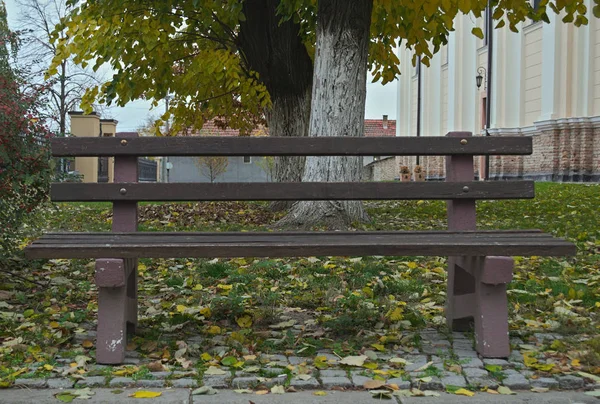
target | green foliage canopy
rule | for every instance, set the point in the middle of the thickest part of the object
(189, 48)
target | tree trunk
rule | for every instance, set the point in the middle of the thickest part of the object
(275, 50)
(338, 108)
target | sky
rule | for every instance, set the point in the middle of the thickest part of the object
(381, 100)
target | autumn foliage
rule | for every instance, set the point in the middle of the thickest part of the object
(24, 160)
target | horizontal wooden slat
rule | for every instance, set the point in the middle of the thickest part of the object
(291, 146)
(281, 244)
(262, 191)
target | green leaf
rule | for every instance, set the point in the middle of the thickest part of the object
(229, 361)
(65, 397)
(477, 32)
(493, 368)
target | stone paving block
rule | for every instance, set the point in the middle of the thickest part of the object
(470, 362)
(184, 383)
(359, 380)
(475, 372)
(131, 361)
(414, 366)
(545, 382)
(296, 360)
(455, 380)
(243, 382)
(93, 381)
(333, 373)
(483, 382)
(496, 362)
(31, 383)
(60, 383)
(463, 344)
(217, 382)
(516, 382)
(280, 380)
(121, 381)
(401, 383)
(465, 353)
(311, 383)
(160, 375)
(434, 384)
(458, 335)
(515, 356)
(150, 383)
(331, 382)
(329, 356)
(569, 382)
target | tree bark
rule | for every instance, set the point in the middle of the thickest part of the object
(338, 108)
(275, 51)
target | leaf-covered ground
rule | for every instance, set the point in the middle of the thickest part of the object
(239, 308)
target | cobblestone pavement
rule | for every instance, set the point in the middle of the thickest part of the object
(443, 363)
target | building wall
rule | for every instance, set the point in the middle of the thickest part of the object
(545, 84)
(186, 169)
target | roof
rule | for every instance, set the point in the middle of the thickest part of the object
(210, 128)
(374, 127)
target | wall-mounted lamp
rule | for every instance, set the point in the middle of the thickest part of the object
(480, 75)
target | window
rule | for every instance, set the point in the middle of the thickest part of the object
(247, 160)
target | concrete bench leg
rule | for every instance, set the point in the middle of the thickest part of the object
(477, 294)
(117, 307)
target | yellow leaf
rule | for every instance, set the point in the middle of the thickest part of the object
(48, 367)
(320, 393)
(464, 392)
(214, 329)
(198, 287)
(54, 324)
(87, 344)
(262, 392)
(396, 314)
(145, 394)
(370, 365)
(379, 347)
(412, 265)
(181, 308)
(206, 357)
(244, 321)
(205, 312)
(575, 362)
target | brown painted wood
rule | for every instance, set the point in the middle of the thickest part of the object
(70, 192)
(278, 245)
(291, 146)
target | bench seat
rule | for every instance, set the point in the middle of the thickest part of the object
(293, 244)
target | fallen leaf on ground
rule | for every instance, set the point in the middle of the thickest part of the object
(213, 371)
(320, 393)
(278, 389)
(243, 391)
(540, 389)
(373, 384)
(354, 360)
(204, 390)
(464, 392)
(145, 394)
(505, 390)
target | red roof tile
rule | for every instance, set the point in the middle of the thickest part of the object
(374, 127)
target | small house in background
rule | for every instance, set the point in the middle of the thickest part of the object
(101, 169)
(220, 169)
(380, 168)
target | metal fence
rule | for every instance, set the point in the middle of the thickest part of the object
(147, 170)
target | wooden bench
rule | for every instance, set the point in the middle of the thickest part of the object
(479, 264)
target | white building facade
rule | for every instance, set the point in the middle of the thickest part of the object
(545, 83)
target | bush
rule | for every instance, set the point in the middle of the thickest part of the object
(24, 161)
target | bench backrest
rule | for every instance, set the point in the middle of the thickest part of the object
(460, 189)
(460, 146)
